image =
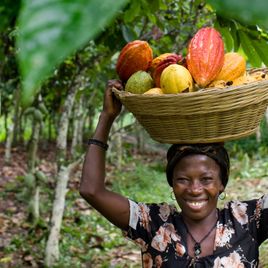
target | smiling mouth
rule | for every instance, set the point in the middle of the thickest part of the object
(196, 204)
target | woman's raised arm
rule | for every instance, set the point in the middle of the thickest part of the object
(111, 205)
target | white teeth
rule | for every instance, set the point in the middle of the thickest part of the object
(196, 204)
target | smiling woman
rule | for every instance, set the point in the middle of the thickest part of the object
(201, 235)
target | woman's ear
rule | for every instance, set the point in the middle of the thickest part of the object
(221, 189)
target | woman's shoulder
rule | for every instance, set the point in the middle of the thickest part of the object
(162, 210)
(163, 207)
(262, 201)
(245, 210)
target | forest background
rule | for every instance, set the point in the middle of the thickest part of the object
(55, 59)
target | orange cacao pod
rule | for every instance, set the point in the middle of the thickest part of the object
(135, 56)
(168, 60)
(234, 66)
(205, 56)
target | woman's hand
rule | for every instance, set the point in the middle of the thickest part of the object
(111, 105)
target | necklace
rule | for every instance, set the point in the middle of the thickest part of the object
(197, 245)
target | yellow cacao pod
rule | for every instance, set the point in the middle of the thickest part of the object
(154, 90)
(176, 79)
(234, 66)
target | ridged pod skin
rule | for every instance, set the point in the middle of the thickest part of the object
(157, 60)
(176, 79)
(168, 60)
(205, 56)
(135, 56)
(234, 66)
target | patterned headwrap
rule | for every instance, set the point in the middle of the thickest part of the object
(216, 151)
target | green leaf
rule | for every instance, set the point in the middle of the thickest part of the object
(132, 12)
(162, 6)
(152, 18)
(128, 33)
(227, 38)
(249, 49)
(261, 46)
(154, 5)
(52, 30)
(234, 33)
(246, 11)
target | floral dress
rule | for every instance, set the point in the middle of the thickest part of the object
(159, 231)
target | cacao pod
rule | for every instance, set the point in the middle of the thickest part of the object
(234, 66)
(135, 56)
(176, 79)
(205, 56)
(158, 59)
(168, 60)
(154, 90)
(139, 82)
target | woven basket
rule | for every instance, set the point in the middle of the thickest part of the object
(209, 115)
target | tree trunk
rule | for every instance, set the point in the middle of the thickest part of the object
(9, 140)
(34, 212)
(63, 126)
(119, 150)
(6, 125)
(140, 138)
(52, 246)
(80, 130)
(16, 117)
(11, 127)
(78, 116)
(258, 134)
(34, 145)
(36, 202)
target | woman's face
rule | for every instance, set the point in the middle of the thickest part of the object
(196, 185)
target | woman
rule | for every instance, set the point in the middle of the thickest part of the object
(200, 235)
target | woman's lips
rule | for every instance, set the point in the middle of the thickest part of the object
(196, 205)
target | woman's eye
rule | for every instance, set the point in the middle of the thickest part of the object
(207, 179)
(181, 180)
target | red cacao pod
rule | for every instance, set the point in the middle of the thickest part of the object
(168, 60)
(205, 56)
(157, 60)
(135, 56)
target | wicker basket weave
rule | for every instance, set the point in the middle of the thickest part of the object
(210, 115)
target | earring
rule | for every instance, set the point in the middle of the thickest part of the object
(222, 196)
(172, 196)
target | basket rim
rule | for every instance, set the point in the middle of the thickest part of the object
(201, 92)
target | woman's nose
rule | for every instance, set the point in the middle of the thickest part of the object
(195, 187)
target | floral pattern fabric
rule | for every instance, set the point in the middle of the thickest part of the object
(160, 233)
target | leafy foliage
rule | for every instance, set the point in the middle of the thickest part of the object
(252, 40)
(245, 11)
(59, 29)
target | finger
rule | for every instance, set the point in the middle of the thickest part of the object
(115, 83)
